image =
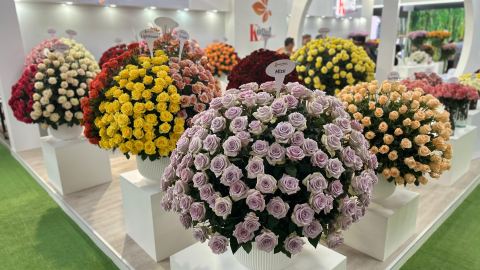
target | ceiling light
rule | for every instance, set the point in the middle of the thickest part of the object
(113, 5)
(215, 10)
(323, 17)
(350, 18)
(307, 16)
(186, 9)
(153, 8)
(69, 3)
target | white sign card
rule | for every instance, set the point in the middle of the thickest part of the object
(428, 71)
(279, 69)
(167, 24)
(266, 34)
(52, 32)
(324, 31)
(71, 33)
(182, 36)
(393, 77)
(46, 51)
(150, 36)
(474, 76)
(452, 80)
(118, 41)
(60, 47)
(412, 78)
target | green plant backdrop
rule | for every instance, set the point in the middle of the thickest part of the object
(450, 19)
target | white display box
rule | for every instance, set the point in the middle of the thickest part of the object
(474, 120)
(159, 233)
(75, 165)
(462, 142)
(407, 71)
(200, 256)
(387, 224)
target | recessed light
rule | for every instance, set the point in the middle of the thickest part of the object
(153, 7)
(323, 17)
(215, 10)
(350, 18)
(69, 3)
(113, 5)
(186, 9)
(307, 16)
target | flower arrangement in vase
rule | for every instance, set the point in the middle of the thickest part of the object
(372, 43)
(437, 38)
(456, 98)
(474, 82)
(252, 69)
(265, 170)
(419, 57)
(21, 100)
(332, 63)
(403, 129)
(112, 52)
(448, 49)
(222, 57)
(418, 37)
(427, 48)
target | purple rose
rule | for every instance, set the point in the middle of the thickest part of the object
(232, 146)
(169, 173)
(357, 140)
(298, 138)
(185, 220)
(288, 184)
(228, 100)
(202, 162)
(170, 193)
(256, 127)
(238, 190)
(291, 85)
(340, 113)
(266, 183)
(365, 199)
(182, 144)
(200, 234)
(321, 202)
(242, 234)
(207, 118)
(345, 221)
(166, 203)
(359, 214)
(309, 146)
(255, 200)
(266, 241)
(277, 207)
(206, 191)
(164, 184)
(348, 206)
(219, 164)
(201, 133)
(255, 167)
(232, 92)
(264, 114)
(187, 175)
(335, 188)
(315, 109)
(268, 86)
(315, 182)
(238, 124)
(348, 156)
(244, 137)
(343, 124)
(251, 222)
(197, 211)
(199, 179)
(332, 129)
(279, 107)
(263, 98)
(291, 101)
(231, 175)
(334, 240)
(191, 131)
(308, 93)
(218, 124)
(335, 103)
(294, 244)
(295, 153)
(249, 99)
(211, 143)
(195, 145)
(276, 153)
(212, 199)
(298, 91)
(302, 214)
(259, 148)
(334, 168)
(176, 205)
(298, 121)
(372, 162)
(356, 126)
(313, 229)
(331, 142)
(319, 93)
(223, 207)
(283, 132)
(249, 86)
(233, 112)
(216, 103)
(218, 243)
(181, 187)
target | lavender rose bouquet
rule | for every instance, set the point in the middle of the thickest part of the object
(255, 168)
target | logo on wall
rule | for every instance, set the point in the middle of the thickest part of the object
(261, 8)
(346, 6)
(256, 31)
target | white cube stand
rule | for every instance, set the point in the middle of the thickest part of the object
(387, 224)
(159, 233)
(462, 142)
(75, 165)
(474, 120)
(200, 256)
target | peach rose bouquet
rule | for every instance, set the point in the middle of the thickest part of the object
(403, 128)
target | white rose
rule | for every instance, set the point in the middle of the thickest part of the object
(80, 91)
(63, 69)
(74, 66)
(69, 80)
(47, 93)
(50, 107)
(54, 117)
(89, 80)
(56, 63)
(63, 76)
(50, 71)
(52, 80)
(61, 59)
(64, 85)
(75, 82)
(74, 101)
(36, 96)
(44, 100)
(67, 65)
(62, 99)
(44, 125)
(81, 72)
(38, 85)
(62, 91)
(88, 74)
(74, 72)
(37, 105)
(83, 85)
(91, 68)
(34, 115)
(39, 111)
(67, 105)
(83, 66)
(39, 76)
(69, 114)
(46, 114)
(79, 115)
(70, 93)
(41, 66)
(78, 55)
(46, 61)
(70, 58)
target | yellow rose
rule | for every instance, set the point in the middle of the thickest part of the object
(129, 144)
(349, 66)
(138, 133)
(111, 131)
(129, 86)
(126, 132)
(98, 122)
(165, 128)
(150, 148)
(147, 95)
(117, 138)
(138, 145)
(134, 151)
(166, 116)
(163, 152)
(324, 70)
(161, 142)
(179, 121)
(157, 89)
(329, 65)
(138, 123)
(124, 74)
(159, 53)
(139, 86)
(174, 137)
(123, 120)
(171, 145)
(110, 108)
(149, 135)
(163, 97)
(336, 69)
(142, 72)
(117, 93)
(123, 98)
(162, 74)
(172, 89)
(156, 69)
(174, 107)
(161, 106)
(158, 61)
(149, 106)
(133, 75)
(151, 118)
(127, 108)
(165, 68)
(123, 148)
(146, 65)
(136, 95)
(103, 132)
(178, 129)
(139, 107)
(308, 80)
(175, 98)
(147, 127)
(111, 118)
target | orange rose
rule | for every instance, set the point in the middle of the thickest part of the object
(394, 172)
(425, 129)
(383, 100)
(439, 144)
(428, 114)
(410, 162)
(386, 173)
(358, 116)
(422, 139)
(407, 122)
(352, 108)
(436, 159)
(399, 180)
(383, 127)
(393, 115)
(416, 95)
(415, 124)
(398, 132)
(386, 87)
(418, 166)
(378, 112)
(371, 105)
(403, 109)
(419, 116)
(393, 155)
(425, 168)
(422, 180)
(415, 104)
(363, 91)
(435, 167)
(410, 178)
(394, 96)
(406, 97)
(370, 135)
(374, 150)
(358, 97)
(445, 134)
(348, 98)
(438, 126)
(384, 149)
(434, 175)
(424, 151)
(405, 143)
(372, 88)
(444, 116)
(447, 125)
(388, 139)
(449, 146)
(366, 121)
(433, 103)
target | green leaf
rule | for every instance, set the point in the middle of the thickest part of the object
(247, 247)
(234, 244)
(314, 241)
(273, 221)
(291, 227)
(291, 170)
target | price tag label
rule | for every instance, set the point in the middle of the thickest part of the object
(182, 36)
(279, 69)
(452, 80)
(428, 71)
(71, 33)
(393, 77)
(46, 51)
(52, 32)
(412, 78)
(150, 36)
(60, 47)
(167, 24)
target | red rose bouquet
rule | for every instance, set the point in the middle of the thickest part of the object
(112, 52)
(21, 101)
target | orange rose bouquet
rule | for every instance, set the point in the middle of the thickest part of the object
(222, 58)
(403, 128)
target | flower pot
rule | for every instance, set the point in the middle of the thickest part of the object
(152, 170)
(64, 132)
(261, 260)
(383, 189)
(437, 53)
(473, 104)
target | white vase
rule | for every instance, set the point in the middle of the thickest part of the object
(261, 260)
(64, 132)
(383, 189)
(152, 170)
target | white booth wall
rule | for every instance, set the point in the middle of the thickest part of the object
(99, 26)
(338, 27)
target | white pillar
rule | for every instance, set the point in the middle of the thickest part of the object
(367, 13)
(470, 56)
(388, 36)
(297, 20)
(22, 136)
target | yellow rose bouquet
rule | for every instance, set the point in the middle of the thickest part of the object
(332, 63)
(404, 129)
(133, 105)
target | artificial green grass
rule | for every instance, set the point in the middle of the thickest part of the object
(35, 233)
(456, 243)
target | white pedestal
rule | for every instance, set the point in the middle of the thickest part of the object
(75, 165)
(462, 144)
(159, 233)
(200, 256)
(474, 120)
(407, 71)
(387, 224)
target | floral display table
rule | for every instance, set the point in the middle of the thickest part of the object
(474, 120)
(407, 71)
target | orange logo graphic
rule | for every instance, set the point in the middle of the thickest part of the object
(261, 8)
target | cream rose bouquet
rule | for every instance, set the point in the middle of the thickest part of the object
(404, 130)
(255, 168)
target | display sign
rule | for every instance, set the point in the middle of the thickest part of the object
(428, 71)
(266, 35)
(60, 47)
(452, 80)
(279, 69)
(166, 24)
(71, 33)
(118, 40)
(52, 32)
(324, 31)
(393, 77)
(412, 78)
(46, 51)
(150, 36)
(346, 6)
(182, 36)
(474, 76)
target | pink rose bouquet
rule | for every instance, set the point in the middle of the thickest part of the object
(255, 168)
(36, 54)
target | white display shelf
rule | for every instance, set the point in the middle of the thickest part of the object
(474, 120)
(75, 165)
(159, 233)
(200, 256)
(387, 225)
